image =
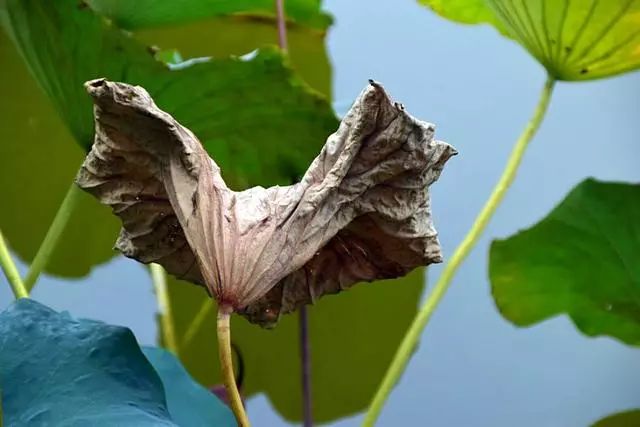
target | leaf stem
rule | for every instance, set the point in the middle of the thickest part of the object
(305, 362)
(159, 279)
(305, 350)
(282, 25)
(52, 237)
(11, 271)
(412, 336)
(226, 364)
(196, 323)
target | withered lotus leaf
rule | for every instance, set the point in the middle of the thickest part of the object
(360, 213)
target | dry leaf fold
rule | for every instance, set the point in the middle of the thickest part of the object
(360, 213)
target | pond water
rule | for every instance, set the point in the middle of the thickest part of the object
(472, 368)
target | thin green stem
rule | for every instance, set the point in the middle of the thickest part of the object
(412, 336)
(226, 365)
(159, 278)
(11, 271)
(196, 323)
(52, 237)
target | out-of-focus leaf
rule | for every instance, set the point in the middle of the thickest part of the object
(622, 419)
(465, 11)
(56, 370)
(242, 110)
(151, 13)
(238, 35)
(572, 39)
(582, 259)
(38, 161)
(190, 404)
(352, 344)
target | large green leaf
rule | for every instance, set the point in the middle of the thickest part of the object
(150, 13)
(622, 419)
(353, 338)
(190, 404)
(582, 259)
(56, 370)
(573, 39)
(238, 35)
(38, 160)
(464, 11)
(243, 111)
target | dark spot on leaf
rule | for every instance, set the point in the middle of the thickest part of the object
(294, 175)
(568, 49)
(194, 201)
(584, 71)
(97, 83)
(82, 5)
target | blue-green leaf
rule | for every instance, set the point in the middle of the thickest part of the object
(59, 371)
(190, 404)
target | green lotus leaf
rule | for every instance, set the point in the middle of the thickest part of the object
(152, 13)
(621, 419)
(572, 39)
(581, 259)
(257, 118)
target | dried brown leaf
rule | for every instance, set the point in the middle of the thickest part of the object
(360, 213)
